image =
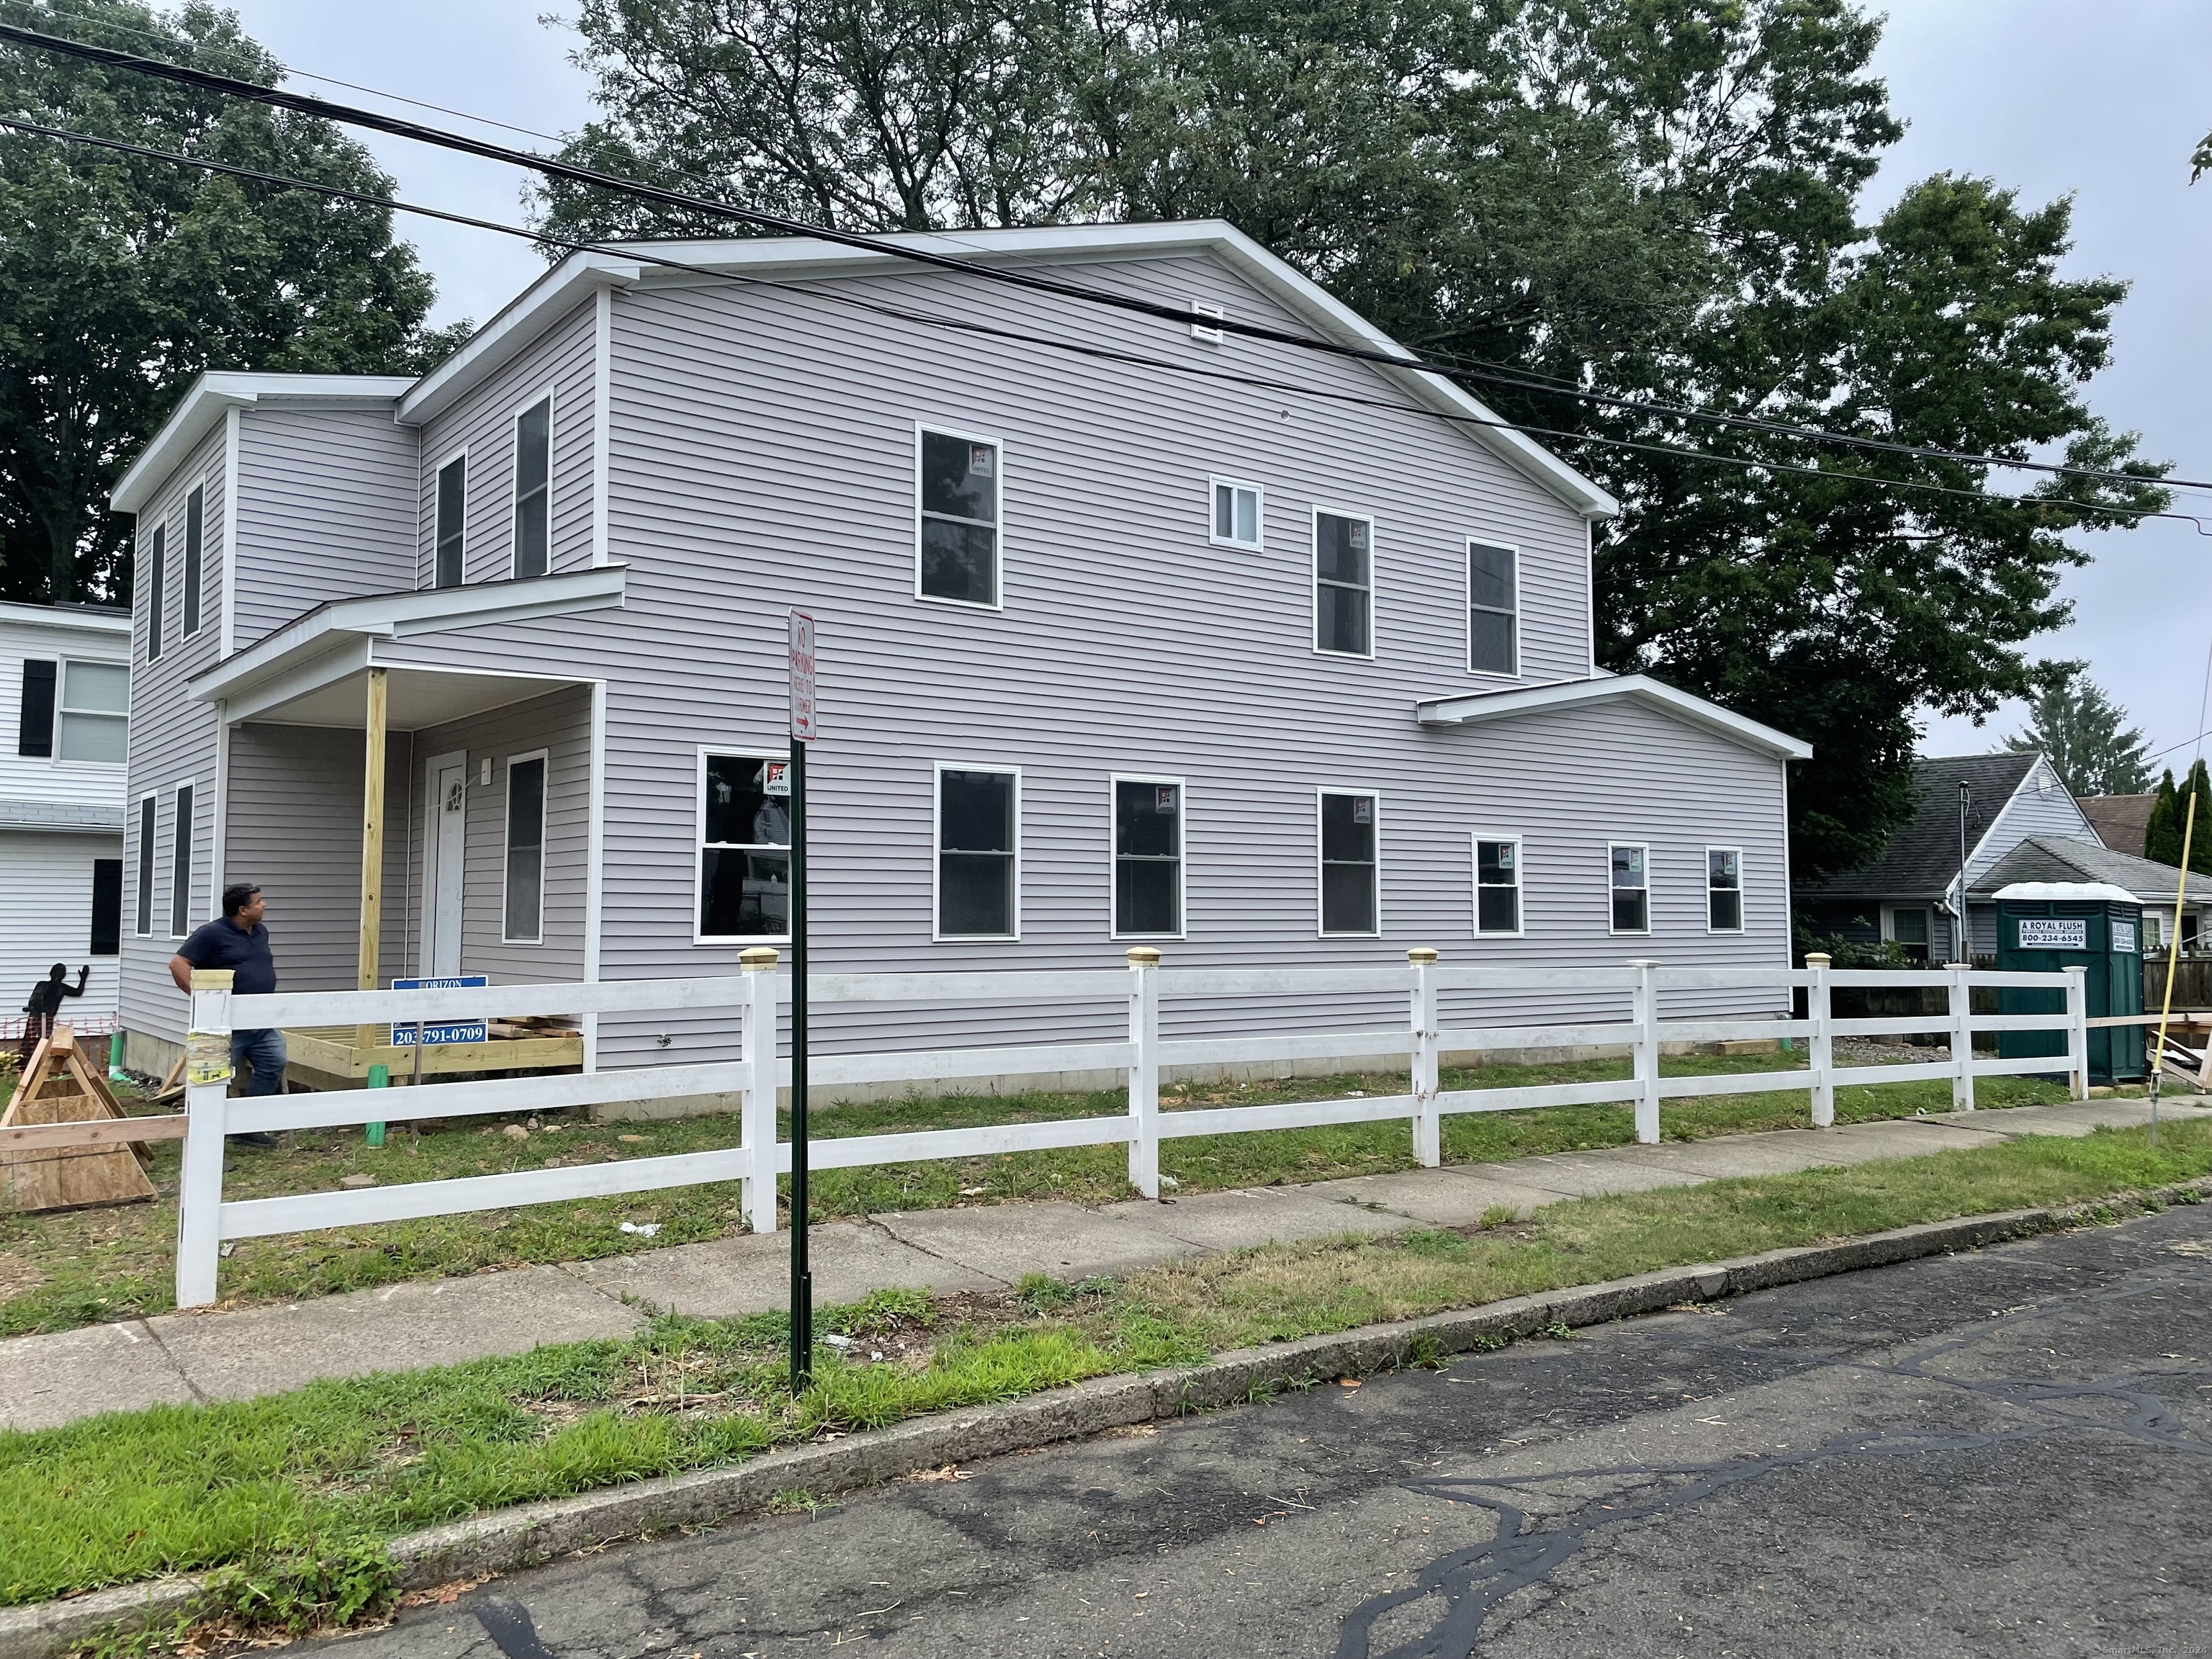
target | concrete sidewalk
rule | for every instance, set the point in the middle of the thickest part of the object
(199, 1357)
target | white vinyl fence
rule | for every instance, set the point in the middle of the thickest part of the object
(758, 996)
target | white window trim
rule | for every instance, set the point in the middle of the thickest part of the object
(542, 395)
(1467, 580)
(1926, 906)
(192, 847)
(1201, 331)
(1217, 481)
(1374, 592)
(766, 751)
(1374, 795)
(938, 768)
(189, 625)
(1113, 782)
(1644, 932)
(506, 843)
(998, 509)
(1742, 919)
(1520, 886)
(468, 486)
(157, 634)
(146, 863)
(61, 708)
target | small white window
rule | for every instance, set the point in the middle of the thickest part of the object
(94, 717)
(1350, 864)
(1493, 619)
(978, 863)
(1344, 584)
(1724, 890)
(1238, 518)
(1907, 928)
(180, 866)
(1497, 886)
(533, 489)
(450, 531)
(1148, 858)
(956, 535)
(523, 908)
(744, 848)
(1631, 887)
(1211, 336)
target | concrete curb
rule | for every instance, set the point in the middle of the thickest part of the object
(510, 1540)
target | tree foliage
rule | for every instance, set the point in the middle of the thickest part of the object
(2169, 819)
(2077, 728)
(122, 278)
(1650, 198)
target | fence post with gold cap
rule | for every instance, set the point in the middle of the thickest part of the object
(1428, 1130)
(1145, 1069)
(758, 1121)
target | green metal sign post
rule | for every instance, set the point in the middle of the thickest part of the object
(802, 734)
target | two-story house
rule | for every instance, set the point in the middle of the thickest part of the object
(1128, 631)
(65, 694)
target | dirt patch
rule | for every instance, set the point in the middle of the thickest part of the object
(17, 1276)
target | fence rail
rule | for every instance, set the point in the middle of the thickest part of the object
(758, 996)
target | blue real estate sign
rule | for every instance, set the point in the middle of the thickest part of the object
(437, 1032)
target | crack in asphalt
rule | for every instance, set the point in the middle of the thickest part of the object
(1471, 1581)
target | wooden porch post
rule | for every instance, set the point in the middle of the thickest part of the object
(372, 848)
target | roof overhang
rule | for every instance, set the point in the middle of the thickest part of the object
(54, 817)
(1483, 706)
(291, 668)
(2082, 891)
(211, 396)
(72, 618)
(797, 256)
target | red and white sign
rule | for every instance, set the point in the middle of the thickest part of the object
(802, 676)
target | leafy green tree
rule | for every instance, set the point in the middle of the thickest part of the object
(121, 279)
(1650, 198)
(2076, 727)
(2169, 819)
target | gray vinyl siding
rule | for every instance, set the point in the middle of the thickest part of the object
(323, 508)
(173, 736)
(483, 424)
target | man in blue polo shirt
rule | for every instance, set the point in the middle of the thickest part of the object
(239, 941)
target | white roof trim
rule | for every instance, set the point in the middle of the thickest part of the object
(339, 626)
(1483, 706)
(2085, 891)
(581, 273)
(202, 407)
(79, 620)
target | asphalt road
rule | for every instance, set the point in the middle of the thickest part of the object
(2007, 1453)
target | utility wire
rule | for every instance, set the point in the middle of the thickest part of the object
(1102, 353)
(1400, 358)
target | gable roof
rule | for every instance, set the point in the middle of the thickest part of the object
(2059, 858)
(1921, 859)
(215, 394)
(793, 257)
(2122, 822)
(1479, 707)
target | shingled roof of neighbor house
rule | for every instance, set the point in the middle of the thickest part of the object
(2121, 822)
(1921, 859)
(2058, 858)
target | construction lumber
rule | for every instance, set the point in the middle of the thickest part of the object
(59, 1085)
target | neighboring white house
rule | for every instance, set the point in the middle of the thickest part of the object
(66, 695)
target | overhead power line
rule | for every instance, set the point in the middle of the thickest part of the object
(553, 166)
(1110, 354)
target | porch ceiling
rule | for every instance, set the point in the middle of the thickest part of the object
(415, 698)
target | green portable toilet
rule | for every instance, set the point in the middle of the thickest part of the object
(2048, 926)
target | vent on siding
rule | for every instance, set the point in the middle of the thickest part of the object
(35, 729)
(1201, 330)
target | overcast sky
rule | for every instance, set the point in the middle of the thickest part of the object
(2049, 97)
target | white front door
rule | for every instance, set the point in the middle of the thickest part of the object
(449, 847)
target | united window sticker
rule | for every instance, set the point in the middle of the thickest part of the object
(981, 458)
(1362, 810)
(775, 777)
(1166, 801)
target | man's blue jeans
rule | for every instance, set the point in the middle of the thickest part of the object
(264, 1050)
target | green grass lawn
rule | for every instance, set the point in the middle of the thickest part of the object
(57, 1272)
(297, 1491)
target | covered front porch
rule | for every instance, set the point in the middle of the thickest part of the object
(409, 817)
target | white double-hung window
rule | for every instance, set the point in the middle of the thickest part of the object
(94, 720)
(1147, 857)
(533, 489)
(978, 856)
(744, 848)
(1350, 863)
(1497, 886)
(1344, 584)
(449, 530)
(1724, 890)
(1493, 608)
(1631, 887)
(522, 907)
(957, 530)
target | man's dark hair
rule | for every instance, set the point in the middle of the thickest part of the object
(237, 897)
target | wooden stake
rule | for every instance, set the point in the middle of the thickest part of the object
(372, 845)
